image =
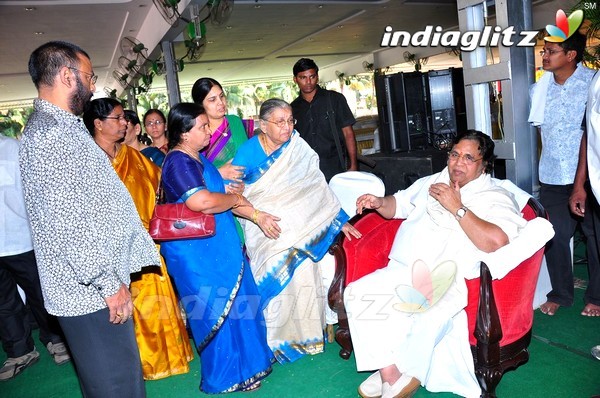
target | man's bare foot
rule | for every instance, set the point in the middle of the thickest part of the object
(549, 308)
(591, 310)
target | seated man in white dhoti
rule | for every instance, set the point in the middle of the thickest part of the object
(453, 220)
(283, 179)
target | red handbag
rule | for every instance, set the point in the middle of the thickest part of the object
(173, 221)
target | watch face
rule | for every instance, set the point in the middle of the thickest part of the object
(460, 213)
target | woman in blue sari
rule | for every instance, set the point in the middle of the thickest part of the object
(212, 275)
(283, 177)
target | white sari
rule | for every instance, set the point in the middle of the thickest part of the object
(290, 185)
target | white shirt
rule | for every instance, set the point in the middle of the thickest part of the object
(593, 135)
(15, 233)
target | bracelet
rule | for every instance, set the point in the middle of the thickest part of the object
(240, 199)
(255, 216)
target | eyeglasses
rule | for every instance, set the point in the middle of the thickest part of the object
(550, 52)
(282, 123)
(154, 123)
(118, 117)
(93, 77)
(468, 159)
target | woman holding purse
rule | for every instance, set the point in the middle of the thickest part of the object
(212, 274)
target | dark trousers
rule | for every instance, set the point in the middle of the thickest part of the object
(15, 329)
(106, 356)
(555, 199)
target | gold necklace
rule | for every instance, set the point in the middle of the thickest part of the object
(265, 144)
(111, 157)
(187, 152)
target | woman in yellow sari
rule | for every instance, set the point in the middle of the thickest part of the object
(160, 332)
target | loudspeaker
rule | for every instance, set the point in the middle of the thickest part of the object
(399, 170)
(402, 104)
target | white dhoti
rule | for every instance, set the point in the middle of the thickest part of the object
(431, 346)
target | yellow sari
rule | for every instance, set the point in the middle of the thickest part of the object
(159, 329)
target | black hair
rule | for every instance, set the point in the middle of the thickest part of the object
(132, 117)
(304, 64)
(182, 118)
(157, 111)
(99, 108)
(202, 87)
(575, 43)
(485, 146)
(46, 60)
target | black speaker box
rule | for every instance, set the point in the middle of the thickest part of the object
(399, 170)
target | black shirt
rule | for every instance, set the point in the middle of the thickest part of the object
(314, 127)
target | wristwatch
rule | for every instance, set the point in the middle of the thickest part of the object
(460, 213)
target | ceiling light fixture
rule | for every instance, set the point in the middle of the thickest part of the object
(29, 8)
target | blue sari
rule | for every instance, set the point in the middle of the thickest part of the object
(289, 184)
(216, 287)
(154, 154)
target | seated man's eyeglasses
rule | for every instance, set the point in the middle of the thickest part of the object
(93, 77)
(281, 123)
(467, 158)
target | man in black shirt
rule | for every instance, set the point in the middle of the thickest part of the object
(313, 109)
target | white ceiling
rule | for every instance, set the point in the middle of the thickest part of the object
(261, 40)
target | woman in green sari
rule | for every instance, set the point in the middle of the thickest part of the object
(228, 131)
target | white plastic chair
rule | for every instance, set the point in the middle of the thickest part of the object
(347, 187)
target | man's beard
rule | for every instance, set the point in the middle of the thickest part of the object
(80, 98)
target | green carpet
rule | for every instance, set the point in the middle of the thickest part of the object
(560, 366)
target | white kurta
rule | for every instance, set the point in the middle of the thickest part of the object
(593, 135)
(432, 346)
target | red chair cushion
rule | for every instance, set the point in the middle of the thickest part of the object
(513, 294)
(370, 252)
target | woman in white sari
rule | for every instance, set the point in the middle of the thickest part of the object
(283, 178)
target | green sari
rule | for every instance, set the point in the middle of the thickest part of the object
(225, 141)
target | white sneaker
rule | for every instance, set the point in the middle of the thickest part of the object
(371, 387)
(59, 353)
(405, 387)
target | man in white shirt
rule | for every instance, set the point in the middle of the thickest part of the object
(18, 265)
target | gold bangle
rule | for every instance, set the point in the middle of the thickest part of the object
(255, 216)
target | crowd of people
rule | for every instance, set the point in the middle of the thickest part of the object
(121, 305)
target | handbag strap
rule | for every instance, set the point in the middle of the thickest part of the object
(336, 136)
(160, 194)
(160, 200)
